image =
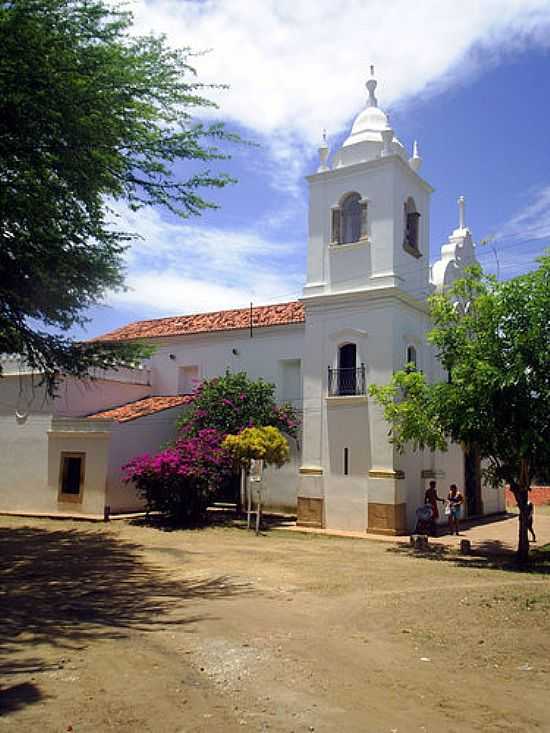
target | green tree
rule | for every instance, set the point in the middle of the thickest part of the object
(234, 402)
(492, 338)
(88, 113)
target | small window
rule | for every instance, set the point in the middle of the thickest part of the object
(188, 378)
(346, 462)
(411, 361)
(412, 226)
(71, 476)
(351, 219)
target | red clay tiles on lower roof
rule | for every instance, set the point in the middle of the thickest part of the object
(281, 314)
(141, 408)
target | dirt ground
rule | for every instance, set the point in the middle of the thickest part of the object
(130, 628)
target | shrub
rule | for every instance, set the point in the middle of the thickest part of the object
(234, 402)
(267, 444)
(181, 481)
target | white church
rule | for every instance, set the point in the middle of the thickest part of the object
(363, 315)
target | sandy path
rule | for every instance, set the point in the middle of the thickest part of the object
(132, 629)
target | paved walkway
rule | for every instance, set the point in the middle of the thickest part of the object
(497, 535)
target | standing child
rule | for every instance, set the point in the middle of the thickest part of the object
(530, 517)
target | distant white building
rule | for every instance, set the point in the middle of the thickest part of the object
(362, 316)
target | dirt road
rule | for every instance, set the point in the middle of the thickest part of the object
(130, 628)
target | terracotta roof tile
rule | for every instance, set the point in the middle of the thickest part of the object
(281, 314)
(141, 408)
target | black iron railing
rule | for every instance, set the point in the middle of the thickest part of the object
(342, 382)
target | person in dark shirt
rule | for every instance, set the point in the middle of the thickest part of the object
(431, 498)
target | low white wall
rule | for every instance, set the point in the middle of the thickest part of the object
(81, 437)
(129, 439)
(280, 485)
(24, 464)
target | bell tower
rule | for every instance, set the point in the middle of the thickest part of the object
(365, 304)
(368, 212)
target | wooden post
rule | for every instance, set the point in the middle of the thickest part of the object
(258, 512)
(248, 504)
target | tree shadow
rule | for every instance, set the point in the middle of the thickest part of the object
(226, 516)
(68, 587)
(16, 697)
(487, 554)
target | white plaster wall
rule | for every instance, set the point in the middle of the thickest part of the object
(30, 452)
(494, 500)
(347, 426)
(95, 444)
(24, 463)
(130, 439)
(414, 272)
(76, 398)
(24, 444)
(280, 485)
(259, 356)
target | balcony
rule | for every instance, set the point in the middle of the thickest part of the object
(347, 382)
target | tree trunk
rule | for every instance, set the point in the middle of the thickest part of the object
(521, 494)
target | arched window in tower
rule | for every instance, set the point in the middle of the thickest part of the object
(351, 219)
(412, 228)
(411, 358)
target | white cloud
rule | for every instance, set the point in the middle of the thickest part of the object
(532, 222)
(517, 243)
(296, 66)
(185, 267)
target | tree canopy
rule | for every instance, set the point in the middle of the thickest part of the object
(267, 444)
(492, 339)
(89, 113)
(234, 402)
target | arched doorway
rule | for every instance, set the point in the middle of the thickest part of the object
(347, 369)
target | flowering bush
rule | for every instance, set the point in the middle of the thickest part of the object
(234, 402)
(267, 444)
(181, 481)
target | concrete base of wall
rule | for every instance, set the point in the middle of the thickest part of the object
(310, 512)
(390, 519)
(56, 515)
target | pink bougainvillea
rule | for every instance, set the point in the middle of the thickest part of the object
(181, 480)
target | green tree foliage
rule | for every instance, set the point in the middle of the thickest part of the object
(234, 402)
(267, 444)
(88, 113)
(492, 338)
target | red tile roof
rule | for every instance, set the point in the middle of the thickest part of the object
(282, 314)
(141, 408)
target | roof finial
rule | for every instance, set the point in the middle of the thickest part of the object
(323, 154)
(387, 138)
(461, 218)
(371, 86)
(416, 161)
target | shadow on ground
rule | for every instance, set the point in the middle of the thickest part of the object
(70, 586)
(489, 554)
(216, 517)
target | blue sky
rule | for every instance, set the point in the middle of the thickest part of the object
(471, 85)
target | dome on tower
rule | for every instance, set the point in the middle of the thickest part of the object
(370, 120)
(366, 139)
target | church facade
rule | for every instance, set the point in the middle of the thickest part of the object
(362, 316)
